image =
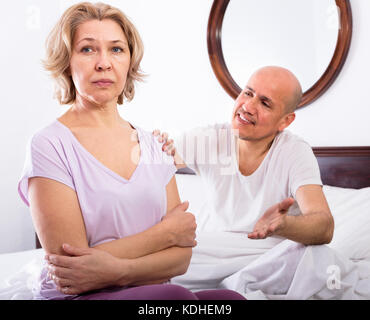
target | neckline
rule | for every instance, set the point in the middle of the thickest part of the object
(261, 164)
(99, 163)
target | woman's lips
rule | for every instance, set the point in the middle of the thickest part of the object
(103, 83)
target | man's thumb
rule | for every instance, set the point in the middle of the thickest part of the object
(285, 204)
(73, 251)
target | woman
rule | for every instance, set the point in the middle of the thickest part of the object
(96, 182)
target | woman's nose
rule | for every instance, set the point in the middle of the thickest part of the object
(103, 62)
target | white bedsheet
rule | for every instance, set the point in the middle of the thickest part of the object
(19, 271)
(288, 270)
(259, 269)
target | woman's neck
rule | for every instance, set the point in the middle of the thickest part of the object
(89, 114)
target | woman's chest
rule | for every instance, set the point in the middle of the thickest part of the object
(119, 152)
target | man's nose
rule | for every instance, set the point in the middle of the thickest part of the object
(249, 106)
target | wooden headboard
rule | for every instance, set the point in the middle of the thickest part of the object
(345, 167)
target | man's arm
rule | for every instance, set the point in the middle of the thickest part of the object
(314, 226)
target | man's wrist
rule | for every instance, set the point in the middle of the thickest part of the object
(287, 221)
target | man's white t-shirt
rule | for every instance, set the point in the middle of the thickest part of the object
(235, 202)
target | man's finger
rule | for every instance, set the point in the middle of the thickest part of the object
(156, 132)
(169, 143)
(252, 235)
(163, 137)
(285, 204)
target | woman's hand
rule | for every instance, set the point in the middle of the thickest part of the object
(181, 225)
(85, 269)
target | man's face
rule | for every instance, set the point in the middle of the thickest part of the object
(259, 110)
(100, 51)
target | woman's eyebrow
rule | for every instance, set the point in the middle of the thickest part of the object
(92, 40)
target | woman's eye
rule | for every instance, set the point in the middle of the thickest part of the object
(115, 49)
(248, 93)
(120, 49)
(85, 48)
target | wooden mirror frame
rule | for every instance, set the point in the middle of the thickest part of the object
(223, 75)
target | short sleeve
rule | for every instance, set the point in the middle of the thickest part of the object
(161, 164)
(44, 158)
(167, 166)
(304, 168)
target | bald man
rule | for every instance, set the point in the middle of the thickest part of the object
(260, 178)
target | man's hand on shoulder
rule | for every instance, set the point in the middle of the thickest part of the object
(169, 147)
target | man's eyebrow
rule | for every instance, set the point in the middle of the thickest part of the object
(263, 98)
(266, 99)
(92, 40)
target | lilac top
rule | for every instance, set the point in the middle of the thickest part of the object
(112, 207)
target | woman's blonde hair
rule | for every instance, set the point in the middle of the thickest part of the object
(59, 48)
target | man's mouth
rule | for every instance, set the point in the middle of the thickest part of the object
(243, 119)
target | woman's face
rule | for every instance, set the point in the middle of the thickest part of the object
(100, 52)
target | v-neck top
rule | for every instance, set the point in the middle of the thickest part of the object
(112, 206)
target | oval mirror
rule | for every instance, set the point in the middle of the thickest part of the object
(309, 37)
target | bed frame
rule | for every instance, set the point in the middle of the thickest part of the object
(345, 167)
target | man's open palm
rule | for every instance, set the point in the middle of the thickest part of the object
(272, 220)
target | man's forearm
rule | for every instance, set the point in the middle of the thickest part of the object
(309, 229)
(156, 267)
(152, 240)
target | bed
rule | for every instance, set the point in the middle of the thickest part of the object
(345, 173)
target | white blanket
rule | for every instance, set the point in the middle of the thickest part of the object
(274, 269)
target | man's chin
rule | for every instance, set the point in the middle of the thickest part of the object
(237, 132)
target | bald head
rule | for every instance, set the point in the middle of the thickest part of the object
(284, 83)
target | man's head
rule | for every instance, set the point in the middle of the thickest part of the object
(266, 105)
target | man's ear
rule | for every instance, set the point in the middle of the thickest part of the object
(287, 120)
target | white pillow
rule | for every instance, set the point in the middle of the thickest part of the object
(351, 212)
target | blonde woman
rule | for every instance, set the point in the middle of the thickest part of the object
(98, 183)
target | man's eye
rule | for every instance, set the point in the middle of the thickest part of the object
(248, 93)
(265, 104)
